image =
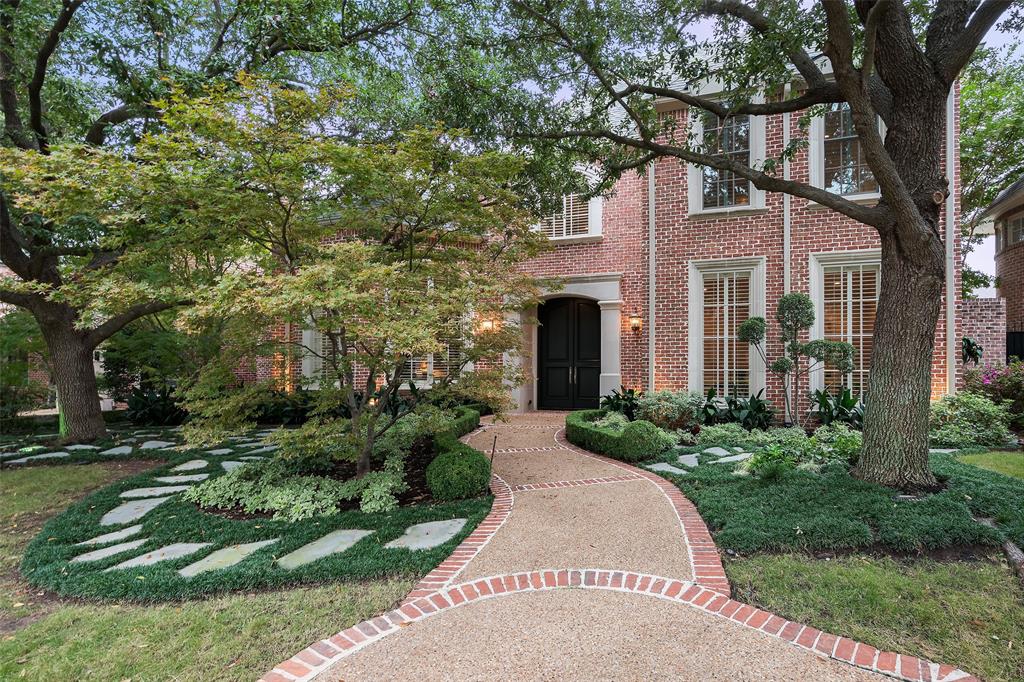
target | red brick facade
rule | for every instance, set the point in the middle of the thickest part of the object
(1010, 281)
(984, 321)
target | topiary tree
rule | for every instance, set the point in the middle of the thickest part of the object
(795, 315)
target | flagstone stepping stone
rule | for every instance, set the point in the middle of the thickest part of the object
(156, 444)
(224, 558)
(427, 535)
(942, 451)
(220, 451)
(98, 554)
(252, 459)
(231, 465)
(81, 446)
(173, 551)
(664, 466)
(268, 448)
(182, 479)
(192, 465)
(717, 452)
(112, 537)
(155, 490)
(332, 543)
(47, 455)
(119, 450)
(131, 511)
(734, 458)
(688, 460)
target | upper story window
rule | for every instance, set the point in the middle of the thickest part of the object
(729, 138)
(836, 158)
(1014, 231)
(578, 218)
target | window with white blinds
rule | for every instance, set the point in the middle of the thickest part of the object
(726, 359)
(849, 299)
(572, 221)
(425, 369)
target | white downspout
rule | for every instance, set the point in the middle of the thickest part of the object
(786, 217)
(652, 261)
(950, 240)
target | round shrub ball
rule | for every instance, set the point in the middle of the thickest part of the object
(458, 474)
(642, 440)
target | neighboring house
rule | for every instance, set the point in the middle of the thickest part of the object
(659, 275)
(1008, 213)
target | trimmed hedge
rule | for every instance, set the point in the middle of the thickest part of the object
(458, 473)
(466, 421)
(640, 439)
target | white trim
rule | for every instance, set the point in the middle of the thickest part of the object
(950, 241)
(695, 173)
(816, 161)
(787, 200)
(652, 270)
(595, 213)
(695, 316)
(817, 262)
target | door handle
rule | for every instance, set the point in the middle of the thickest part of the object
(572, 375)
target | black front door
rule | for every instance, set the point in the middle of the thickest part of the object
(569, 354)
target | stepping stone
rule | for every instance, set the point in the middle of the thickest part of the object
(427, 535)
(268, 448)
(689, 460)
(664, 466)
(220, 451)
(156, 444)
(332, 543)
(98, 554)
(252, 459)
(111, 537)
(119, 450)
(131, 511)
(79, 446)
(146, 434)
(231, 465)
(224, 558)
(718, 452)
(48, 455)
(192, 465)
(173, 551)
(735, 458)
(192, 478)
(155, 491)
(941, 451)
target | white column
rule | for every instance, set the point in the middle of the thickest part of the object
(309, 361)
(611, 330)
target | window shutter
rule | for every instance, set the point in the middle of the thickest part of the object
(572, 221)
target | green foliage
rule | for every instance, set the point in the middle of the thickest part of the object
(843, 407)
(154, 407)
(19, 340)
(839, 442)
(458, 473)
(1003, 384)
(639, 440)
(671, 410)
(750, 413)
(622, 400)
(612, 421)
(795, 313)
(771, 462)
(968, 419)
(722, 434)
(970, 350)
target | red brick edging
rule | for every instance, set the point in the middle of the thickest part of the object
(321, 655)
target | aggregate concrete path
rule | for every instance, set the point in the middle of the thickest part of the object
(585, 569)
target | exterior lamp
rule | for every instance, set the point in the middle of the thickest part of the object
(488, 324)
(636, 322)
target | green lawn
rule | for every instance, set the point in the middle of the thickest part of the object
(228, 638)
(1006, 463)
(968, 614)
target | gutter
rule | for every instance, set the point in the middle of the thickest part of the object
(950, 241)
(652, 261)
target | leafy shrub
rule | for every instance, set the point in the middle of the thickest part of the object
(672, 410)
(1000, 383)
(639, 440)
(623, 401)
(844, 407)
(771, 462)
(613, 421)
(839, 442)
(459, 473)
(723, 434)
(967, 419)
(149, 407)
(750, 413)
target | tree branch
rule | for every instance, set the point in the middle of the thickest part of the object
(958, 52)
(13, 126)
(12, 244)
(46, 50)
(875, 15)
(104, 331)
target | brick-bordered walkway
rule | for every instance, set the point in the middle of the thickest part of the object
(441, 590)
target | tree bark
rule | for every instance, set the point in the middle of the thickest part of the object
(75, 378)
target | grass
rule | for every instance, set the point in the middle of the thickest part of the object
(1006, 463)
(968, 614)
(225, 638)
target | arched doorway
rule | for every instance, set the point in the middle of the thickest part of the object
(568, 354)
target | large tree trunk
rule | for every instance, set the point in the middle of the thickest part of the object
(895, 449)
(73, 373)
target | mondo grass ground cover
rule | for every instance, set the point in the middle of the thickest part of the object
(46, 561)
(830, 510)
(968, 613)
(16, 447)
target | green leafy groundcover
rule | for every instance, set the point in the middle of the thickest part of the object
(831, 510)
(45, 563)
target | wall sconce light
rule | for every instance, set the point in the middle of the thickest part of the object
(636, 322)
(488, 324)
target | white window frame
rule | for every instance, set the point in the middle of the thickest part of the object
(595, 210)
(818, 263)
(816, 160)
(695, 173)
(695, 316)
(1013, 227)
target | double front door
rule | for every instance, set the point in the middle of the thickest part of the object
(569, 354)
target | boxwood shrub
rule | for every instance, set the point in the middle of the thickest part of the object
(459, 472)
(640, 439)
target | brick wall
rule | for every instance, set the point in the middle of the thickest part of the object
(984, 321)
(1010, 278)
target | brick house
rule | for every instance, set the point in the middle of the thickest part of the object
(658, 275)
(1007, 210)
